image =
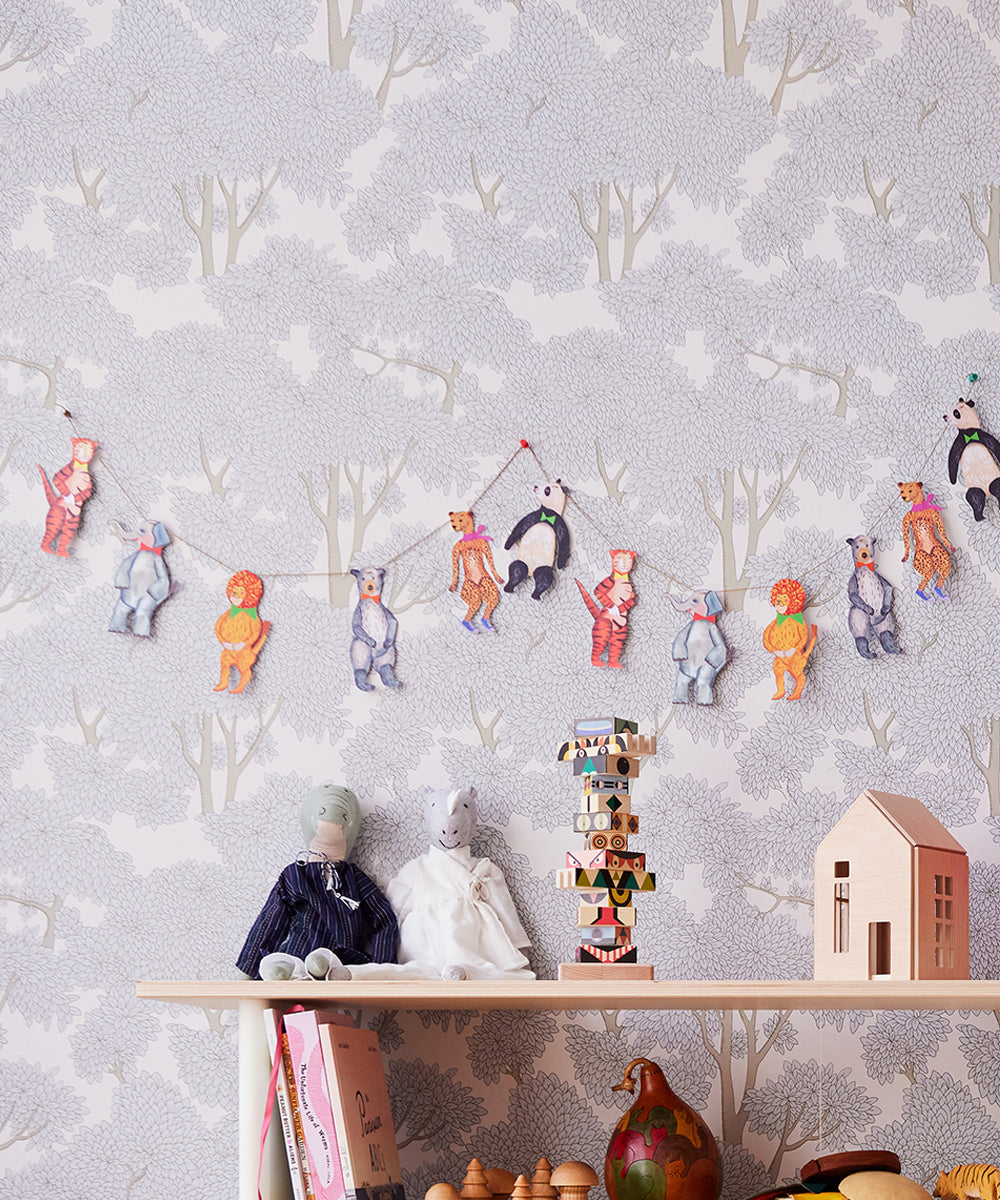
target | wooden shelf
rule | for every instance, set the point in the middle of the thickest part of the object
(800, 995)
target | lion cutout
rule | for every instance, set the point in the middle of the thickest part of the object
(788, 637)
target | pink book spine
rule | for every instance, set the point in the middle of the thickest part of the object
(319, 1132)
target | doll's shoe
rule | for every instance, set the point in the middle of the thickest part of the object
(942, 595)
(454, 971)
(278, 967)
(922, 595)
(324, 964)
(487, 626)
(469, 626)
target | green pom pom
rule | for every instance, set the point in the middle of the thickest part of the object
(973, 378)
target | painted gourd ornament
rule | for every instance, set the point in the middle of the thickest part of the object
(661, 1149)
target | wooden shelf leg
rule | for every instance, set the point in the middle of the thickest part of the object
(255, 1074)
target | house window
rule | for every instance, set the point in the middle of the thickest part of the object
(841, 907)
(944, 922)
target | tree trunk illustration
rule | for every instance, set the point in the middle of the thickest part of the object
(990, 236)
(734, 49)
(988, 767)
(339, 39)
(734, 1114)
(327, 512)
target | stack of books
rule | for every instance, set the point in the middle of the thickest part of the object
(333, 1103)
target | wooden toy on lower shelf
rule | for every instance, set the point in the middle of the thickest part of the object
(606, 752)
(570, 1181)
(961, 1183)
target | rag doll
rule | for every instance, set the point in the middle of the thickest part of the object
(71, 486)
(456, 915)
(324, 911)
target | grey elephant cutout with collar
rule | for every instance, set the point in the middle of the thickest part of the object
(699, 649)
(142, 580)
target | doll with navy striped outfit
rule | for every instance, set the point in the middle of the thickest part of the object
(324, 912)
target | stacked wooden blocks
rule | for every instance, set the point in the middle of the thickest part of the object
(606, 753)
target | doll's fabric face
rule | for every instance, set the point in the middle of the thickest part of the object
(450, 818)
(327, 806)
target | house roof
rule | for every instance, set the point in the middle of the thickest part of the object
(913, 820)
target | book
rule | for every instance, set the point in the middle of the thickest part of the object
(286, 1102)
(323, 1158)
(361, 1112)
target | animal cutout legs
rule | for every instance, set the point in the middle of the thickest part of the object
(926, 564)
(863, 648)
(516, 575)
(483, 595)
(977, 502)
(388, 676)
(544, 578)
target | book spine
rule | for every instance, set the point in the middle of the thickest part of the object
(339, 1121)
(272, 1022)
(323, 1159)
(298, 1134)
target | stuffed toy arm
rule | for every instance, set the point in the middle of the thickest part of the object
(268, 931)
(381, 920)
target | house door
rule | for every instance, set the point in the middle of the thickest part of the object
(879, 963)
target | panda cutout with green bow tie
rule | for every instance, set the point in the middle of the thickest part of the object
(977, 453)
(542, 541)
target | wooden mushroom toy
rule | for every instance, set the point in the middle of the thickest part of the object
(442, 1191)
(574, 1179)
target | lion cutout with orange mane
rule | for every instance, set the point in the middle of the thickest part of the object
(240, 631)
(788, 637)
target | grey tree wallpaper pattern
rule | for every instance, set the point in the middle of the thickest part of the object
(309, 270)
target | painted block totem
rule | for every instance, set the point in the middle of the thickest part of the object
(606, 753)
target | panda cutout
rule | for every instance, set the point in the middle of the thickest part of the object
(542, 541)
(977, 453)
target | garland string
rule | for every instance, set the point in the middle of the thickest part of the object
(571, 500)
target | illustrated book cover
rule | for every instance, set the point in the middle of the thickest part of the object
(361, 1113)
(323, 1158)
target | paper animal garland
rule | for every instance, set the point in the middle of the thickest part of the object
(614, 597)
(606, 752)
(374, 628)
(870, 594)
(142, 580)
(699, 649)
(71, 486)
(542, 541)
(472, 553)
(976, 453)
(788, 637)
(240, 631)
(930, 542)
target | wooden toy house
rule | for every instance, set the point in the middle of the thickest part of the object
(891, 896)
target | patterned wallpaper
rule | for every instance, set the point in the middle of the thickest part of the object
(309, 271)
